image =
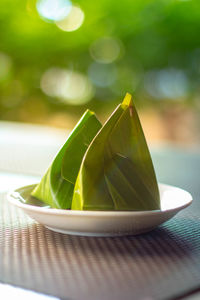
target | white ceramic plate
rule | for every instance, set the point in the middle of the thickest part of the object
(102, 223)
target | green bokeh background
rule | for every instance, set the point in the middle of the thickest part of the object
(157, 39)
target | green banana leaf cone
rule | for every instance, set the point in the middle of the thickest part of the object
(57, 185)
(117, 171)
(105, 167)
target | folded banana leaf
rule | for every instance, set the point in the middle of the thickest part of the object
(57, 185)
(117, 171)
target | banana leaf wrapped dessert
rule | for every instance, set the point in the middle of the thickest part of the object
(105, 167)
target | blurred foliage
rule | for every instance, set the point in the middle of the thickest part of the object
(150, 48)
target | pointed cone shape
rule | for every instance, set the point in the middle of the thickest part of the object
(57, 186)
(117, 171)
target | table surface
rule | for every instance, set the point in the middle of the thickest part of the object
(163, 264)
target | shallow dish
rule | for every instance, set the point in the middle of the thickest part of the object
(101, 223)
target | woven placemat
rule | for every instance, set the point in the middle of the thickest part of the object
(159, 265)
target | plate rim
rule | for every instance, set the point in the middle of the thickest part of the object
(64, 212)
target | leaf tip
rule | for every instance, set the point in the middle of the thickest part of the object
(128, 101)
(89, 112)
